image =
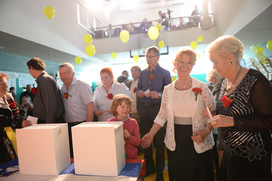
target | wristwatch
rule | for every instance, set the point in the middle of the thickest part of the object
(159, 95)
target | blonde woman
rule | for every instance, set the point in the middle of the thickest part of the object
(243, 112)
(188, 135)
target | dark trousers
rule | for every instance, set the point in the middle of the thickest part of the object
(147, 117)
(70, 125)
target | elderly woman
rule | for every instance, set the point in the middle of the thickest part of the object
(244, 114)
(104, 94)
(27, 106)
(188, 139)
(7, 118)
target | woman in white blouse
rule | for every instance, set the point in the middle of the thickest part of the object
(104, 94)
(188, 137)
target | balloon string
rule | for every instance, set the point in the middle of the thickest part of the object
(50, 41)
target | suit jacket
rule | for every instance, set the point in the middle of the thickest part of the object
(199, 122)
(138, 102)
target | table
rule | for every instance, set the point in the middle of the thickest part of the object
(134, 170)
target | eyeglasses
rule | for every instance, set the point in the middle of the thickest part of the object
(3, 84)
(151, 56)
(187, 64)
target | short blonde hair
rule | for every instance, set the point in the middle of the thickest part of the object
(225, 45)
(211, 74)
(118, 100)
(187, 51)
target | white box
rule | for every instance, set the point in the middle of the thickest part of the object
(43, 149)
(99, 148)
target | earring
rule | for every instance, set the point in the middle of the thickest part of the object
(230, 62)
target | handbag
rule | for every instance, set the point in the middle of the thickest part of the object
(12, 138)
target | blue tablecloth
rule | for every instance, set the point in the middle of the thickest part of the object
(130, 169)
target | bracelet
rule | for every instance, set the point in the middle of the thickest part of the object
(208, 130)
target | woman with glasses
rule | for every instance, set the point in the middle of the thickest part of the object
(188, 136)
(8, 118)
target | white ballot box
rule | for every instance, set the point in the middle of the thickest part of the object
(98, 148)
(43, 149)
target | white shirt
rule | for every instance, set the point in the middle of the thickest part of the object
(102, 102)
(75, 105)
(134, 85)
(183, 110)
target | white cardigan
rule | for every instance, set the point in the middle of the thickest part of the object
(199, 122)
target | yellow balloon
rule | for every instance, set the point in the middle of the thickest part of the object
(161, 44)
(193, 45)
(153, 33)
(124, 36)
(259, 50)
(88, 39)
(158, 26)
(90, 50)
(269, 44)
(198, 55)
(200, 38)
(113, 55)
(78, 60)
(49, 12)
(136, 58)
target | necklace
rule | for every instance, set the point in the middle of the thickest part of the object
(226, 90)
(182, 85)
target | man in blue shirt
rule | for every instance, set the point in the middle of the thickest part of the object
(150, 88)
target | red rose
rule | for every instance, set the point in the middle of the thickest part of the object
(13, 105)
(110, 96)
(34, 90)
(134, 90)
(152, 76)
(197, 91)
(226, 101)
(66, 95)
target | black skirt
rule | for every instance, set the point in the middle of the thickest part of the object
(184, 163)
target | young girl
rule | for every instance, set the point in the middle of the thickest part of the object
(121, 108)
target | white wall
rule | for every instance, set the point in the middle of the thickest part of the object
(26, 19)
(233, 15)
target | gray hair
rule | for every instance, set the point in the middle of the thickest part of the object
(211, 74)
(225, 45)
(69, 65)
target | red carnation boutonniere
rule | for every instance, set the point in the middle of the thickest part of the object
(197, 91)
(226, 101)
(66, 95)
(34, 90)
(13, 105)
(152, 76)
(134, 90)
(109, 96)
